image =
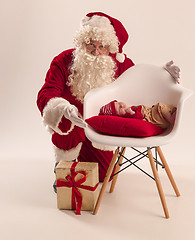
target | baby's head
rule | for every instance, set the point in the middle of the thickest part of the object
(116, 108)
(109, 109)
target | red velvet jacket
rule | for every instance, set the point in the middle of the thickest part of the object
(56, 83)
(57, 77)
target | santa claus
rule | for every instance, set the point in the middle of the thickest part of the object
(96, 60)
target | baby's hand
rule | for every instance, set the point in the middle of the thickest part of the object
(130, 111)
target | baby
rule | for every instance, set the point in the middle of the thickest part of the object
(162, 115)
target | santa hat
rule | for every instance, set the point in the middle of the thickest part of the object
(99, 26)
(108, 109)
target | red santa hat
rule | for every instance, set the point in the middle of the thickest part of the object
(108, 109)
(101, 27)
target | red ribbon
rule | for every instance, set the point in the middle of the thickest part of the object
(70, 182)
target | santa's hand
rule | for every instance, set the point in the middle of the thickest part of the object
(71, 113)
(173, 70)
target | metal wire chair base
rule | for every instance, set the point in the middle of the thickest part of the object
(132, 161)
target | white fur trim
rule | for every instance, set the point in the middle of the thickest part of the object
(98, 28)
(53, 113)
(120, 57)
(103, 147)
(68, 155)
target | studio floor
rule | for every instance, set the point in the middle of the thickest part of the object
(133, 211)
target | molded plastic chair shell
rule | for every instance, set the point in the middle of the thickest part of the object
(141, 84)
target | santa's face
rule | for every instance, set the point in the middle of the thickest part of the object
(92, 67)
(96, 48)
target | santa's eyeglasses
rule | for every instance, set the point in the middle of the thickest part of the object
(96, 47)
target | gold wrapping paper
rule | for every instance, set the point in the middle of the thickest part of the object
(64, 194)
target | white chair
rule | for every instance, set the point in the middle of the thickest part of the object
(142, 84)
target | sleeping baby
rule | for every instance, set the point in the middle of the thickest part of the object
(162, 115)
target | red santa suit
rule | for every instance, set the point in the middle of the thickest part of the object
(69, 140)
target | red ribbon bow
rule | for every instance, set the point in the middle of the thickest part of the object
(70, 182)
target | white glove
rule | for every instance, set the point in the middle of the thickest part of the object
(71, 113)
(173, 70)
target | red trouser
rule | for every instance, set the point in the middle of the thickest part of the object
(87, 153)
(90, 154)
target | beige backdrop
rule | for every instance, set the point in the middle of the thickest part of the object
(33, 32)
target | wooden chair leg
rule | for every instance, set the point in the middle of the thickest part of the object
(117, 169)
(169, 174)
(106, 180)
(158, 183)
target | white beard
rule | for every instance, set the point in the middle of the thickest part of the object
(88, 72)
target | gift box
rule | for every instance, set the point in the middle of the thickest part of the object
(77, 185)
